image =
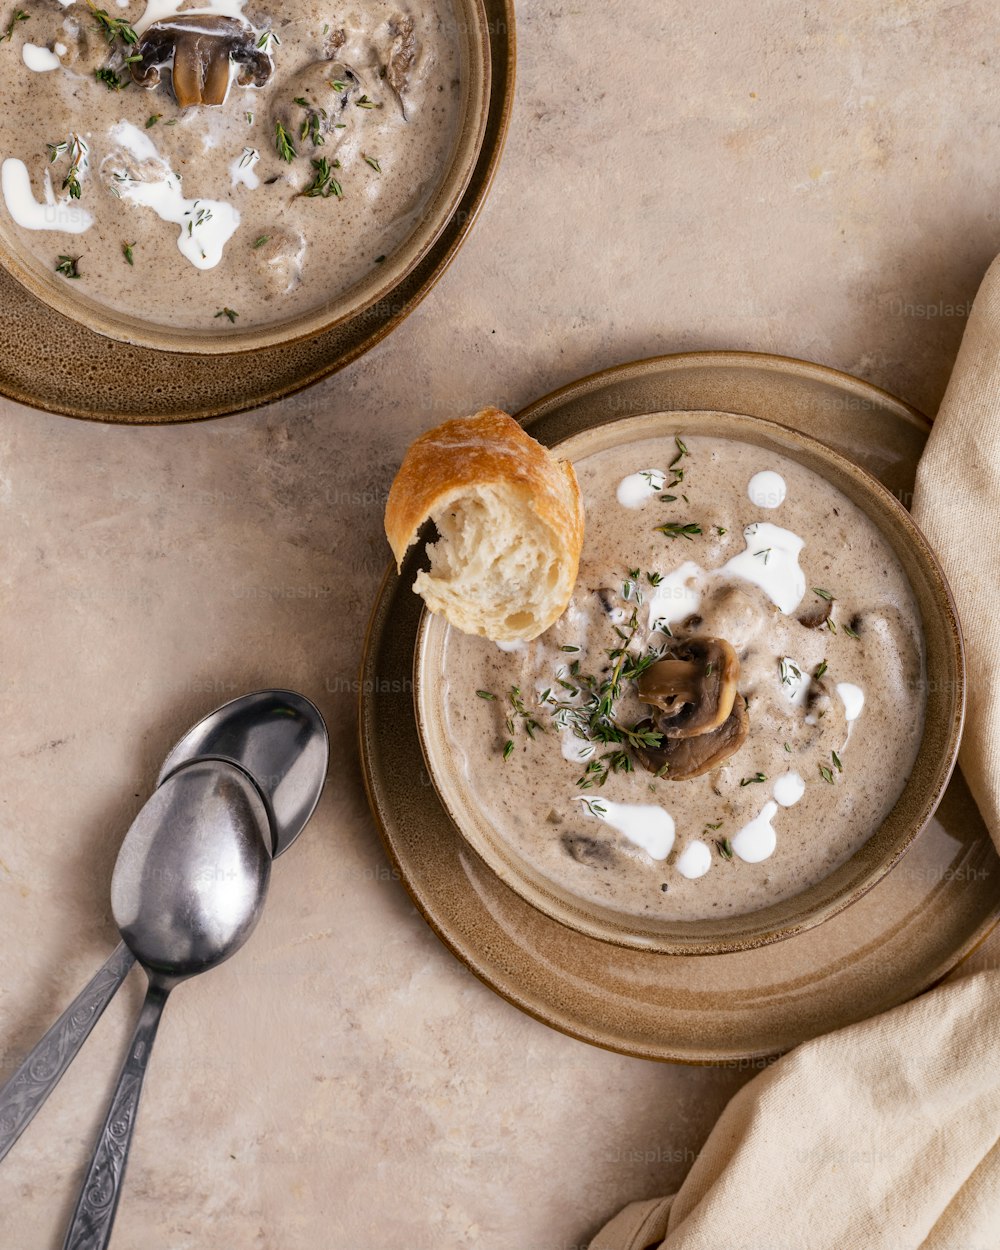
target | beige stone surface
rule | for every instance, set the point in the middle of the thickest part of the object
(812, 179)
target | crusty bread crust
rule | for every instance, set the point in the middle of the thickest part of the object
(489, 448)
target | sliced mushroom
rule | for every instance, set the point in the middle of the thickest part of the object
(817, 615)
(278, 254)
(198, 49)
(680, 759)
(694, 687)
(317, 106)
(402, 54)
(590, 851)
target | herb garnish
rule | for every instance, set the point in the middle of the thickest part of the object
(765, 552)
(67, 266)
(371, 160)
(152, 119)
(264, 238)
(826, 774)
(754, 780)
(485, 694)
(110, 79)
(128, 252)
(283, 142)
(594, 806)
(231, 313)
(673, 529)
(324, 184)
(790, 672)
(519, 714)
(724, 847)
(850, 632)
(113, 27)
(19, 16)
(823, 594)
(311, 127)
(820, 671)
(364, 103)
(836, 761)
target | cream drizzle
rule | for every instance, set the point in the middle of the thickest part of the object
(674, 599)
(39, 60)
(574, 748)
(695, 860)
(793, 679)
(241, 171)
(64, 214)
(788, 789)
(206, 225)
(853, 699)
(644, 824)
(767, 489)
(158, 10)
(756, 840)
(771, 561)
(638, 488)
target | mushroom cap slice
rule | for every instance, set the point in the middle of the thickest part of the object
(693, 687)
(817, 615)
(199, 49)
(680, 759)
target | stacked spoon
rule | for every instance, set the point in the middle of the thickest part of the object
(187, 890)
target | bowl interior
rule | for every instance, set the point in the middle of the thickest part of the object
(472, 31)
(945, 695)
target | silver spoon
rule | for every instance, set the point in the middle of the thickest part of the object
(279, 738)
(287, 755)
(188, 888)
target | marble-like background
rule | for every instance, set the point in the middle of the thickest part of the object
(816, 179)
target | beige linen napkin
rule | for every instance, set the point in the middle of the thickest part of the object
(885, 1135)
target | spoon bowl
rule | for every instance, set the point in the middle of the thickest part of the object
(279, 738)
(193, 870)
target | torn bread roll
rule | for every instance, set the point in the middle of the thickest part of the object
(510, 523)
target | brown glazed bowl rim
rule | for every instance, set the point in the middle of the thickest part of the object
(888, 844)
(376, 287)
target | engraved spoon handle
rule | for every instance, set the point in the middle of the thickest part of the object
(23, 1094)
(94, 1216)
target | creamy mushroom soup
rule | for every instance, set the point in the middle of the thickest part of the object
(729, 707)
(228, 163)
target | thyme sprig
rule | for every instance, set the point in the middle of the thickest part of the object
(283, 142)
(674, 529)
(19, 16)
(113, 27)
(589, 706)
(110, 79)
(324, 184)
(517, 717)
(68, 266)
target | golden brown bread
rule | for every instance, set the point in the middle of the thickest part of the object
(510, 523)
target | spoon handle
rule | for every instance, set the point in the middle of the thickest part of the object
(23, 1094)
(94, 1216)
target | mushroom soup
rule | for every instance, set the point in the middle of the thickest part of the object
(731, 704)
(227, 163)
